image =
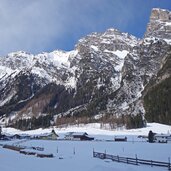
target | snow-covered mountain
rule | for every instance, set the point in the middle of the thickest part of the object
(103, 78)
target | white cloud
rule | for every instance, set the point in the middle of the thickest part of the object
(36, 25)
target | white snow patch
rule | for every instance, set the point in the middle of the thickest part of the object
(59, 58)
(115, 82)
(105, 41)
(4, 70)
(71, 82)
(168, 41)
(150, 40)
(119, 67)
(121, 54)
(124, 106)
(168, 24)
(41, 73)
(98, 116)
(7, 98)
(100, 83)
(94, 47)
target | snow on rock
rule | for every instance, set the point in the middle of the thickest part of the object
(71, 82)
(115, 82)
(124, 106)
(100, 83)
(41, 73)
(168, 41)
(115, 65)
(94, 47)
(44, 65)
(58, 58)
(160, 24)
(4, 71)
(7, 98)
(121, 54)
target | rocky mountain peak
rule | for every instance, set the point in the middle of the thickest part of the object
(160, 24)
(105, 76)
(110, 40)
(160, 14)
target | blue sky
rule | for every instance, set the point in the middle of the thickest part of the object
(45, 25)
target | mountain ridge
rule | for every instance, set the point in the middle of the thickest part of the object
(103, 77)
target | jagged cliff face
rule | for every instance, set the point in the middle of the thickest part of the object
(156, 96)
(160, 24)
(106, 75)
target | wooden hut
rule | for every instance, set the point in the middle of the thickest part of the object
(48, 136)
(120, 138)
(78, 136)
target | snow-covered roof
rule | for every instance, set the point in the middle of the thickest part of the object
(120, 137)
(43, 135)
(69, 134)
(76, 133)
(79, 133)
(162, 135)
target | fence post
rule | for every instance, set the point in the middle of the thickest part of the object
(118, 158)
(113, 158)
(74, 151)
(169, 164)
(105, 154)
(136, 159)
(151, 163)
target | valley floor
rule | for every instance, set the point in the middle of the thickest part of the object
(78, 155)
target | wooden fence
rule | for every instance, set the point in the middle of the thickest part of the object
(134, 161)
(22, 150)
(11, 147)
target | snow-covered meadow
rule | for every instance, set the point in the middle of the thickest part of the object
(78, 155)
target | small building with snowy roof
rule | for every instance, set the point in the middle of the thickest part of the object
(120, 138)
(20, 136)
(162, 138)
(78, 136)
(69, 136)
(47, 136)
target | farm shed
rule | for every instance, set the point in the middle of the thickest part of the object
(162, 138)
(47, 136)
(120, 138)
(78, 136)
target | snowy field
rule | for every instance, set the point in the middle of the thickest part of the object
(78, 155)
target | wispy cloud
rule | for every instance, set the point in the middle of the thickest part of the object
(43, 25)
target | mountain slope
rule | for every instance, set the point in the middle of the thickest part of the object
(157, 97)
(103, 79)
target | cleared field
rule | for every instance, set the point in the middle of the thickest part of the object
(78, 155)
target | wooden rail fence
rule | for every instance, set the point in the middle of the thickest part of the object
(134, 161)
(23, 150)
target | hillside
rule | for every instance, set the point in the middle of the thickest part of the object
(157, 99)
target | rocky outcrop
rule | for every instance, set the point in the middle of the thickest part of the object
(160, 24)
